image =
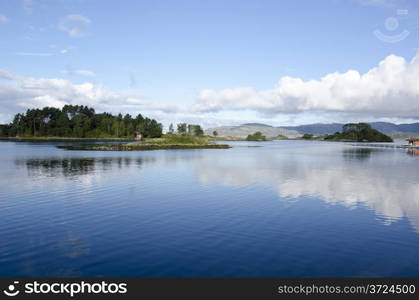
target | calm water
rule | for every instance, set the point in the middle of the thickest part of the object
(289, 208)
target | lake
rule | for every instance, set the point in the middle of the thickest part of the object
(286, 209)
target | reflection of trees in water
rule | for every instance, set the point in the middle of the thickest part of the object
(358, 153)
(70, 167)
(77, 166)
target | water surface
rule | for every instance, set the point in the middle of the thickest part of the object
(289, 208)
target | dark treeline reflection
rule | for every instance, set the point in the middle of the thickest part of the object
(357, 153)
(69, 167)
(365, 153)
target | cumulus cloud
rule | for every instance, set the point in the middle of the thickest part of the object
(4, 74)
(390, 89)
(3, 19)
(19, 93)
(75, 25)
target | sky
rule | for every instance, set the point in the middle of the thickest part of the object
(214, 62)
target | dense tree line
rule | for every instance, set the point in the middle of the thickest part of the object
(360, 132)
(80, 122)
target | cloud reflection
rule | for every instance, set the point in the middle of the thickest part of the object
(381, 180)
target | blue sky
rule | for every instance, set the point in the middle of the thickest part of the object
(213, 62)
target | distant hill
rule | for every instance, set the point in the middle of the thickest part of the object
(256, 124)
(316, 129)
(392, 128)
(385, 127)
(242, 131)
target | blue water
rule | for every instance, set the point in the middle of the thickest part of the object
(287, 209)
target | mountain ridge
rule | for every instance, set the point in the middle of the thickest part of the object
(241, 131)
(385, 127)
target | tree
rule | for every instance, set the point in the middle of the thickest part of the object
(215, 133)
(181, 128)
(257, 136)
(79, 121)
(195, 130)
(171, 129)
(190, 129)
(360, 132)
(198, 130)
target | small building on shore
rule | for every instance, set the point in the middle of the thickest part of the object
(138, 137)
(413, 142)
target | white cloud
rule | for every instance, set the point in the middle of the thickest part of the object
(390, 89)
(44, 54)
(85, 73)
(4, 74)
(75, 25)
(20, 93)
(3, 19)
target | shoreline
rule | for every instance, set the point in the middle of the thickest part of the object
(141, 147)
(73, 139)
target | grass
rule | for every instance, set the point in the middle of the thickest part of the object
(178, 139)
(228, 138)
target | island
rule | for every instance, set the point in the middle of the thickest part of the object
(168, 141)
(361, 132)
(78, 122)
(75, 123)
(257, 137)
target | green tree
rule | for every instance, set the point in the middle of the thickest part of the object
(181, 128)
(257, 136)
(79, 121)
(198, 130)
(195, 130)
(360, 132)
